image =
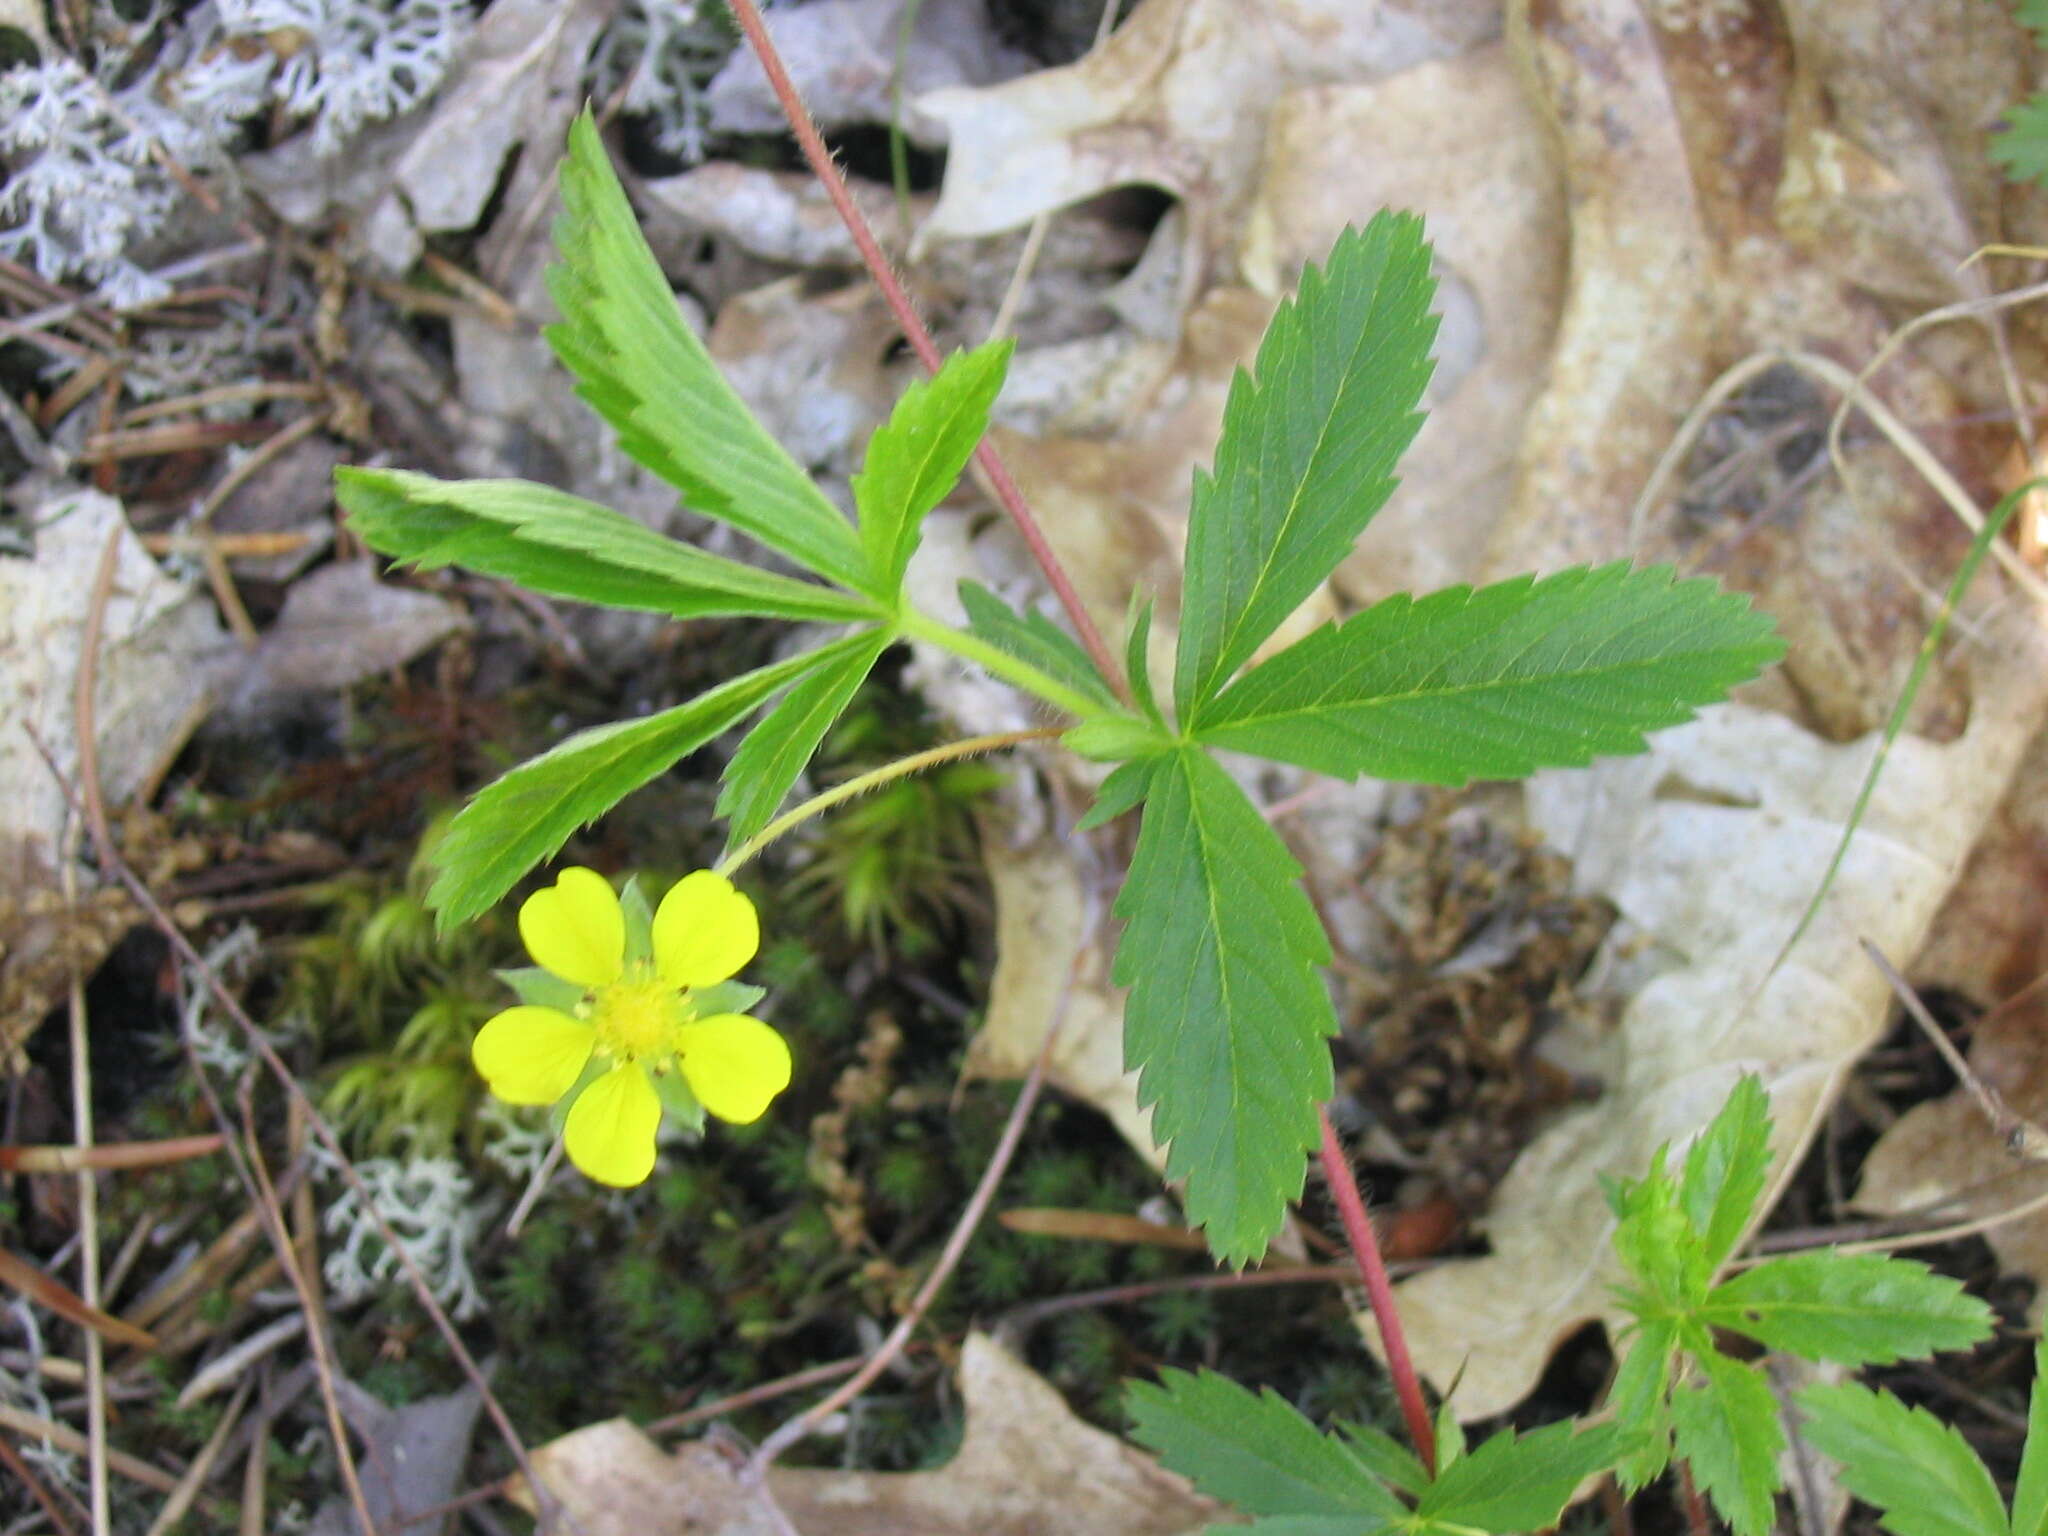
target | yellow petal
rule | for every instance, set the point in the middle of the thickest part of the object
(610, 1129)
(734, 1065)
(575, 929)
(532, 1055)
(704, 931)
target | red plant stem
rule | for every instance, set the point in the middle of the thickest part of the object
(748, 15)
(1365, 1247)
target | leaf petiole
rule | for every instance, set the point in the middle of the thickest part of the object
(998, 663)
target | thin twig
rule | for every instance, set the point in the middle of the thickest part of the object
(1365, 1248)
(85, 715)
(112, 862)
(12, 1461)
(949, 1258)
(1011, 499)
(272, 1213)
(1032, 1313)
(1697, 1519)
(2021, 1136)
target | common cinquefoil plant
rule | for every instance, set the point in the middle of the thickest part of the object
(633, 1010)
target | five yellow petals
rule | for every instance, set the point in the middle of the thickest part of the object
(635, 1022)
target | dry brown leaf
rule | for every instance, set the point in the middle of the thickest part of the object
(842, 54)
(1711, 845)
(1026, 1465)
(494, 100)
(1176, 98)
(158, 648)
(338, 626)
(1944, 1160)
(1991, 939)
(1677, 123)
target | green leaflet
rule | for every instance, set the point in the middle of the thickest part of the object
(1856, 1308)
(767, 763)
(516, 821)
(1920, 1473)
(1308, 449)
(1228, 1013)
(1254, 1450)
(1727, 1428)
(564, 546)
(643, 370)
(2020, 147)
(1498, 682)
(914, 460)
(1032, 637)
(1724, 1172)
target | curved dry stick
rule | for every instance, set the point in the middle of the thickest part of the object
(1853, 391)
(949, 1257)
(1011, 499)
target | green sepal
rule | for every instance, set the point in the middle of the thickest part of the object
(677, 1102)
(639, 925)
(725, 997)
(593, 1069)
(537, 988)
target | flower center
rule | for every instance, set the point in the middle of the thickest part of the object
(636, 1019)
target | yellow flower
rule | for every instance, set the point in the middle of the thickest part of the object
(639, 1033)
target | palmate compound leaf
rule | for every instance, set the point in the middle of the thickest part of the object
(914, 459)
(1919, 1472)
(1228, 1014)
(767, 763)
(642, 368)
(1306, 458)
(563, 546)
(1498, 682)
(1853, 1308)
(523, 817)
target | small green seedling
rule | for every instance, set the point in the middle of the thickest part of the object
(1677, 1390)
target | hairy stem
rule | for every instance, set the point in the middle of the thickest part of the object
(903, 767)
(1365, 1247)
(748, 15)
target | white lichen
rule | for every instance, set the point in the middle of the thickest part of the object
(96, 151)
(431, 1207)
(656, 59)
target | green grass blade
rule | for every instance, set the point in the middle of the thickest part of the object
(1966, 572)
